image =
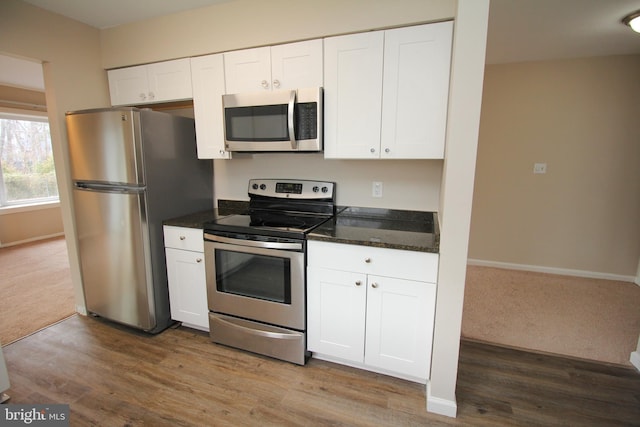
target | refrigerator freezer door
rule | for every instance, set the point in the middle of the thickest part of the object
(115, 263)
(103, 148)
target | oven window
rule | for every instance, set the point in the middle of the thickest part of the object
(254, 276)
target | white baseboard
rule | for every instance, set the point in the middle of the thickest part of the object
(552, 270)
(33, 239)
(635, 359)
(440, 406)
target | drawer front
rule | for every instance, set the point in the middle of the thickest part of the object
(189, 239)
(420, 266)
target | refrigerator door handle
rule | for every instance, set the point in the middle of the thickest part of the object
(111, 188)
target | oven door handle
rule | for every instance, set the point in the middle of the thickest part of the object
(254, 243)
(266, 334)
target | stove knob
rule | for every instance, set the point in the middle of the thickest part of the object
(316, 189)
(263, 187)
(325, 189)
(254, 186)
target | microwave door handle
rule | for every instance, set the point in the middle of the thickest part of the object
(290, 117)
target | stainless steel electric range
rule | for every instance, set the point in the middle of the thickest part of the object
(256, 267)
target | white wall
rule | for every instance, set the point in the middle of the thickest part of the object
(580, 116)
(635, 357)
(463, 122)
(407, 184)
(248, 23)
(74, 79)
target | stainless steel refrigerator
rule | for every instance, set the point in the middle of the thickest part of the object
(131, 169)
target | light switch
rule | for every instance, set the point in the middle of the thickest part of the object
(539, 168)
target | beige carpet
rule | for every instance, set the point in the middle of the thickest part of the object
(586, 318)
(35, 288)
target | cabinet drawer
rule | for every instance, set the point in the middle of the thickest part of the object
(420, 266)
(190, 239)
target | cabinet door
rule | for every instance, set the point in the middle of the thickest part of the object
(336, 313)
(353, 95)
(415, 91)
(169, 80)
(297, 65)
(400, 317)
(128, 86)
(248, 70)
(187, 287)
(207, 75)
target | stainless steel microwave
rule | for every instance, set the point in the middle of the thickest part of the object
(279, 120)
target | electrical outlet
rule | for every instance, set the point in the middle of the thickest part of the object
(539, 168)
(376, 189)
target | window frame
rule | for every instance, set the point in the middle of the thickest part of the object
(36, 203)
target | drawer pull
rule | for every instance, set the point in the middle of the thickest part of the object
(358, 283)
(182, 237)
(367, 260)
(374, 285)
(198, 259)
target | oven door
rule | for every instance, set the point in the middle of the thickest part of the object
(256, 280)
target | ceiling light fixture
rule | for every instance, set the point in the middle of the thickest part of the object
(633, 20)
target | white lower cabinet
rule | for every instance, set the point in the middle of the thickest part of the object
(186, 275)
(378, 314)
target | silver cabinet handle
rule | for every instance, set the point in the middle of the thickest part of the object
(152, 95)
(182, 237)
(264, 84)
(367, 260)
(143, 96)
(276, 83)
(373, 150)
(358, 283)
(374, 285)
(386, 150)
(198, 259)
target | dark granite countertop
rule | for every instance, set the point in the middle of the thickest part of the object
(385, 228)
(198, 219)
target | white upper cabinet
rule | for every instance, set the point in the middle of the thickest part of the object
(207, 75)
(288, 66)
(415, 91)
(353, 95)
(297, 65)
(146, 84)
(386, 93)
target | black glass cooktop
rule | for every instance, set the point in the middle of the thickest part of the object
(276, 223)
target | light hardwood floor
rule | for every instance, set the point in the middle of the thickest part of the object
(113, 376)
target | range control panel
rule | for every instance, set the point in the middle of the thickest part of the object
(292, 189)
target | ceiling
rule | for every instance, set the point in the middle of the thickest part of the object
(519, 30)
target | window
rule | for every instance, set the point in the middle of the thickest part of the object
(27, 174)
